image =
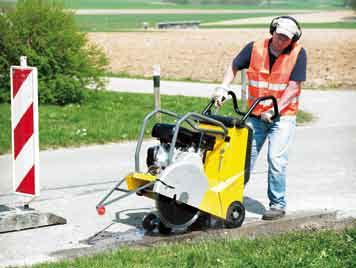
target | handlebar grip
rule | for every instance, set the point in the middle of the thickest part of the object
(257, 101)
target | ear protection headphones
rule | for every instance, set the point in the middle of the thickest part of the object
(274, 24)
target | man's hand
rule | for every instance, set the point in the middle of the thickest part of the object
(220, 95)
(267, 116)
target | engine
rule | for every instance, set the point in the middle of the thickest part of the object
(187, 141)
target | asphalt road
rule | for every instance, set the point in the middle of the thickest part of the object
(322, 175)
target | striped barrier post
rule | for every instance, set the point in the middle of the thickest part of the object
(25, 153)
(24, 121)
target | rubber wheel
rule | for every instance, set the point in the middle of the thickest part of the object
(149, 222)
(163, 229)
(235, 215)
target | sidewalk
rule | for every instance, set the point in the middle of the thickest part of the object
(322, 176)
(194, 89)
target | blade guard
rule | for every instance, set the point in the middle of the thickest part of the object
(184, 180)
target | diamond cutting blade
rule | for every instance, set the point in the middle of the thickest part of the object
(175, 214)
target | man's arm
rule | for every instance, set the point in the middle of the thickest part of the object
(241, 61)
(229, 76)
(295, 84)
(293, 90)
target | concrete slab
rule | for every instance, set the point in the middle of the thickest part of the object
(19, 218)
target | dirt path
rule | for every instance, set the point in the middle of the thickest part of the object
(204, 54)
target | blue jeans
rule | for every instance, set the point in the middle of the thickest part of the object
(280, 135)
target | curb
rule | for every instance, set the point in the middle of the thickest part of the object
(304, 221)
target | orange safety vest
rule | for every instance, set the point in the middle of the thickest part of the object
(262, 82)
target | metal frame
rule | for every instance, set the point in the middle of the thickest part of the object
(191, 118)
(127, 193)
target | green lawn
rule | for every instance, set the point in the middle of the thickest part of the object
(114, 23)
(156, 4)
(132, 22)
(328, 25)
(7, 3)
(105, 117)
(326, 249)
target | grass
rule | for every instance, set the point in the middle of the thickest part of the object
(114, 23)
(105, 117)
(156, 4)
(130, 22)
(324, 25)
(7, 3)
(303, 249)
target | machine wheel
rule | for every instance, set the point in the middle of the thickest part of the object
(149, 222)
(163, 229)
(235, 215)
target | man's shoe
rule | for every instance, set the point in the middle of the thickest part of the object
(273, 214)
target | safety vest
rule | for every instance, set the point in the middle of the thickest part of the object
(262, 82)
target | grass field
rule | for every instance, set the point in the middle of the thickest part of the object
(132, 22)
(7, 3)
(105, 117)
(156, 4)
(326, 249)
(326, 25)
(113, 23)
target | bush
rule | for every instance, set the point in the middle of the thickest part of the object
(352, 4)
(49, 37)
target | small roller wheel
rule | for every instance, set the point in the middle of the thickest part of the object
(163, 229)
(235, 215)
(101, 210)
(149, 222)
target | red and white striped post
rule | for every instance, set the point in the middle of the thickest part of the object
(24, 121)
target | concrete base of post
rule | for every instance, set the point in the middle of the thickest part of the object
(20, 218)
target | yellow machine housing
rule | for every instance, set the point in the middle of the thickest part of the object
(226, 168)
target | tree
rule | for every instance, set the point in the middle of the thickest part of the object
(352, 3)
(49, 37)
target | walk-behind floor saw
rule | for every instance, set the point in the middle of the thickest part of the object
(199, 167)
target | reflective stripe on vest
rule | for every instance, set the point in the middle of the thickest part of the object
(262, 82)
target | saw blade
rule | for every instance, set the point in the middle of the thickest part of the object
(175, 214)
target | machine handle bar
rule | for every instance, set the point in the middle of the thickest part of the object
(207, 109)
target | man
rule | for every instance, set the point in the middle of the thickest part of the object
(277, 67)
